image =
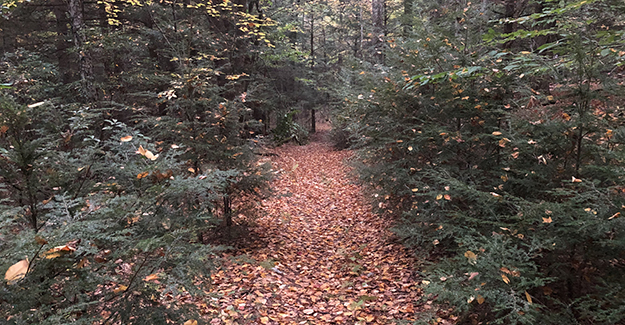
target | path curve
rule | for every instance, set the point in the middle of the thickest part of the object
(325, 257)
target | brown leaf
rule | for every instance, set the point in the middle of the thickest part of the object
(126, 138)
(40, 240)
(529, 298)
(16, 272)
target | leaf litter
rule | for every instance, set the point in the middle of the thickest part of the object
(321, 257)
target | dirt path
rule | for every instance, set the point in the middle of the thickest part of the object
(324, 256)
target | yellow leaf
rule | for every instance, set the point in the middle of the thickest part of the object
(410, 148)
(575, 180)
(59, 250)
(440, 196)
(470, 256)
(496, 133)
(126, 138)
(529, 298)
(16, 272)
(505, 279)
(480, 299)
(264, 320)
(547, 220)
(616, 215)
(470, 300)
(415, 189)
(194, 322)
(191, 169)
(121, 288)
(495, 194)
(142, 175)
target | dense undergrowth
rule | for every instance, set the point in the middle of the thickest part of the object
(503, 160)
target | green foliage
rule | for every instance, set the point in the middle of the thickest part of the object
(512, 187)
(289, 130)
(111, 201)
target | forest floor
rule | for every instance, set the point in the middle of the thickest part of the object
(321, 255)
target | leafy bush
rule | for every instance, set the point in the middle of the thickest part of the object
(105, 204)
(514, 195)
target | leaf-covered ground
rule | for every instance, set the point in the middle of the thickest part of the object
(322, 255)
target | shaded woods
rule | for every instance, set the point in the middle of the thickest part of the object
(170, 162)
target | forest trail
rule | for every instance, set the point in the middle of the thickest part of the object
(323, 256)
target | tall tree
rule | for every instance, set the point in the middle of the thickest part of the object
(85, 62)
(378, 33)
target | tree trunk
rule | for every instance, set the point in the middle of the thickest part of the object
(62, 44)
(88, 92)
(313, 121)
(312, 40)
(407, 19)
(377, 17)
(510, 8)
(358, 51)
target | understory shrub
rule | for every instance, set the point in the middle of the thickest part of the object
(512, 195)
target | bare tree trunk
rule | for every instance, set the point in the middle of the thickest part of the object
(62, 44)
(377, 17)
(510, 8)
(312, 40)
(75, 8)
(362, 33)
(407, 19)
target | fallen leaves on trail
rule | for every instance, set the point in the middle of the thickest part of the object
(322, 256)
